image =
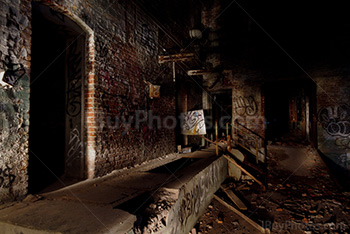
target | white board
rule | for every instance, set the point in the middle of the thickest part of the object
(193, 123)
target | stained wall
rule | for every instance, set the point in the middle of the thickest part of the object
(123, 127)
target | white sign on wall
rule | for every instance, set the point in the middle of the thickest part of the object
(194, 123)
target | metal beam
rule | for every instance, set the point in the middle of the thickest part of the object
(176, 57)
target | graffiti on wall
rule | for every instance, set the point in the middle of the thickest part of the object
(343, 160)
(74, 85)
(6, 178)
(73, 105)
(335, 120)
(343, 142)
(6, 120)
(193, 123)
(75, 146)
(192, 201)
(245, 105)
(14, 70)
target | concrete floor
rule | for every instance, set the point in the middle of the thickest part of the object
(299, 161)
(85, 207)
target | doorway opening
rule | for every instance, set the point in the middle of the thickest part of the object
(289, 108)
(56, 151)
(222, 112)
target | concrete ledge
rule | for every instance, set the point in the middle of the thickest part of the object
(7, 228)
(64, 216)
(188, 202)
(181, 191)
(195, 196)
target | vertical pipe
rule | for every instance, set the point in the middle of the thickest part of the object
(174, 72)
(184, 98)
(228, 143)
(257, 151)
(216, 135)
(307, 116)
(227, 130)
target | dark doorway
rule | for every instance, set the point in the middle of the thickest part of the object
(289, 106)
(55, 114)
(222, 112)
(47, 105)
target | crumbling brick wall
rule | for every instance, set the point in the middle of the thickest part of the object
(14, 99)
(126, 58)
(126, 49)
(126, 43)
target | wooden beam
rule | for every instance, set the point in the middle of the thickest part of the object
(208, 140)
(197, 72)
(234, 198)
(228, 186)
(244, 170)
(237, 154)
(175, 57)
(247, 219)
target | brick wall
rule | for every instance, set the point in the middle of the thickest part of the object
(14, 100)
(122, 55)
(247, 107)
(246, 86)
(126, 49)
(333, 115)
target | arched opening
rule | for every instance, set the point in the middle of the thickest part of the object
(56, 149)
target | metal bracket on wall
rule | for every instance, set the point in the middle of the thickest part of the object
(176, 57)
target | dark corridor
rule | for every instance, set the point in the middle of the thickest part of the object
(47, 105)
(289, 106)
(222, 112)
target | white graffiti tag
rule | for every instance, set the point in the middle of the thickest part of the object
(75, 146)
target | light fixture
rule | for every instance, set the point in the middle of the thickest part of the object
(195, 33)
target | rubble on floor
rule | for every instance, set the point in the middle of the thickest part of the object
(218, 219)
(154, 216)
(299, 198)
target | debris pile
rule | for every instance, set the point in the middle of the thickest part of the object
(154, 216)
(307, 201)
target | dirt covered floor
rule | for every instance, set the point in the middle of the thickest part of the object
(301, 197)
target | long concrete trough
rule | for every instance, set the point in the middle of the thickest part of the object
(177, 199)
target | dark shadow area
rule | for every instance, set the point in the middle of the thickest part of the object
(138, 206)
(174, 167)
(56, 154)
(47, 105)
(289, 108)
(222, 112)
(339, 174)
(277, 111)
